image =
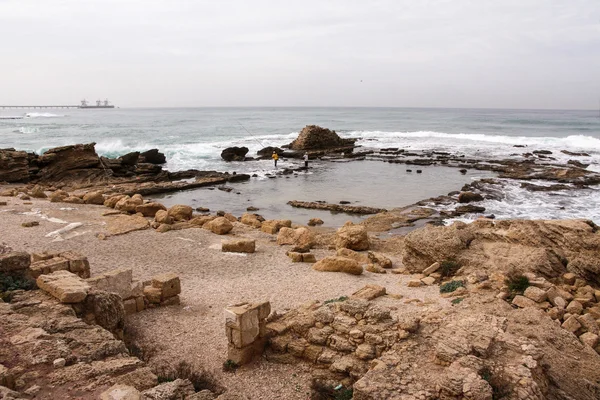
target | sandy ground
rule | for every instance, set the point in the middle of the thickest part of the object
(210, 279)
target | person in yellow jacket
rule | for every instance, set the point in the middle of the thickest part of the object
(275, 158)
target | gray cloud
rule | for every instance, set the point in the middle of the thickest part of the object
(461, 53)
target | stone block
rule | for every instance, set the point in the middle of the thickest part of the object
(414, 283)
(575, 307)
(522, 301)
(242, 317)
(536, 294)
(65, 286)
(365, 351)
(14, 261)
(555, 291)
(589, 323)
(152, 294)
(77, 263)
(246, 354)
(46, 255)
(431, 269)
(569, 278)
(121, 392)
(130, 306)
(48, 266)
(168, 283)
(571, 324)
(294, 256)
(590, 339)
(239, 246)
(370, 292)
(428, 280)
(116, 281)
(137, 289)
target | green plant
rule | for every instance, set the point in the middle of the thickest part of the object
(10, 283)
(328, 390)
(344, 394)
(451, 286)
(230, 366)
(457, 300)
(449, 268)
(517, 283)
(342, 298)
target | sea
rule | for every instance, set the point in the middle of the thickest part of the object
(193, 138)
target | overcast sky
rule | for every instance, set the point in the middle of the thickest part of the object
(453, 53)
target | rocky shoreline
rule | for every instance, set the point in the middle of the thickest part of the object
(396, 307)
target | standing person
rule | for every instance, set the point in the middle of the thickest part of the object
(305, 160)
(275, 158)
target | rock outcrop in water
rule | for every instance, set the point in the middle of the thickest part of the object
(313, 137)
(234, 153)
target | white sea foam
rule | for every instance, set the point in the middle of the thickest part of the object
(27, 129)
(42, 115)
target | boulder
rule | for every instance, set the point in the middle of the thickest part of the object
(352, 237)
(338, 264)
(201, 220)
(253, 220)
(130, 159)
(370, 292)
(273, 226)
(313, 137)
(128, 204)
(14, 166)
(112, 201)
(152, 156)
(163, 217)
(315, 222)
(149, 209)
(70, 162)
(234, 153)
(105, 309)
(181, 212)
(361, 258)
(179, 389)
(168, 284)
(93, 198)
(38, 192)
(468, 197)
(239, 246)
(266, 152)
(58, 196)
(14, 261)
(219, 225)
(297, 237)
(73, 200)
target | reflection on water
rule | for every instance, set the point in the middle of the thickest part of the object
(366, 183)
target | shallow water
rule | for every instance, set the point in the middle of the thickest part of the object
(364, 183)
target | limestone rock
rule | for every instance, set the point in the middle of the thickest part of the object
(352, 237)
(314, 137)
(571, 324)
(522, 301)
(93, 198)
(536, 294)
(468, 197)
(38, 192)
(297, 237)
(14, 166)
(163, 217)
(338, 264)
(14, 261)
(361, 258)
(379, 259)
(181, 212)
(431, 269)
(122, 224)
(574, 307)
(375, 268)
(150, 209)
(239, 246)
(121, 392)
(315, 222)
(590, 339)
(65, 286)
(58, 196)
(273, 226)
(370, 292)
(105, 309)
(168, 283)
(253, 220)
(219, 225)
(179, 389)
(128, 204)
(234, 153)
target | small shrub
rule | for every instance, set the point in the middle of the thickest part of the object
(457, 300)
(230, 366)
(133, 339)
(201, 379)
(451, 286)
(449, 268)
(517, 283)
(342, 298)
(10, 283)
